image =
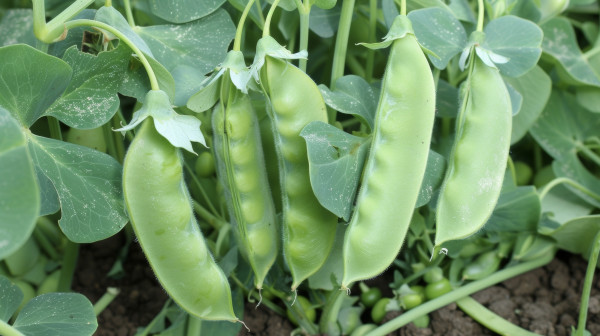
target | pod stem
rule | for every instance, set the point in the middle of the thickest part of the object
(480, 15)
(266, 31)
(459, 293)
(105, 300)
(8, 330)
(403, 7)
(129, 13)
(240, 27)
(54, 29)
(304, 12)
(101, 25)
(489, 319)
(587, 286)
(328, 322)
(341, 47)
(546, 189)
(69, 263)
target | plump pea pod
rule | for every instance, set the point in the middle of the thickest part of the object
(161, 214)
(308, 228)
(396, 164)
(484, 265)
(476, 170)
(242, 172)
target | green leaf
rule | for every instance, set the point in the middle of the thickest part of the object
(560, 44)
(335, 160)
(17, 27)
(180, 11)
(434, 174)
(254, 13)
(88, 184)
(439, 31)
(74, 37)
(49, 198)
(577, 235)
(353, 95)
(516, 99)
(31, 81)
(564, 126)
(517, 210)
(201, 44)
(446, 100)
(588, 97)
(113, 17)
(10, 296)
(19, 191)
(66, 314)
(518, 39)
(333, 265)
(534, 87)
(561, 205)
(324, 22)
(571, 167)
(91, 98)
(206, 97)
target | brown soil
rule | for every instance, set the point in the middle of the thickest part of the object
(544, 301)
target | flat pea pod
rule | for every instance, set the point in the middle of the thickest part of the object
(484, 265)
(396, 164)
(160, 211)
(242, 172)
(308, 228)
(478, 160)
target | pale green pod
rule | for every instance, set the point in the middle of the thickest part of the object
(242, 172)
(396, 164)
(476, 170)
(162, 217)
(308, 228)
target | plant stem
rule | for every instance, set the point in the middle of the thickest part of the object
(270, 304)
(55, 131)
(129, 13)
(105, 300)
(341, 46)
(403, 7)
(304, 12)
(192, 174)
(108, 3)
(459, 293)
(7, 330)
(240, 27)
(490, 319)
(570, 182)
(211, 219)
(587, 286)
(194, 326)
(590, 154)
(46, 245)
(111, 148)
(156, 318)
(53, 30)
(328, 322)
(68, 267)
(266, 31)
(480, 16)
(372, 38)
(119, 35)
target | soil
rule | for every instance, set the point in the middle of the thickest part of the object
(544, 301)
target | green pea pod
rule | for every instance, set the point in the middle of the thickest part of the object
(484, 265)
(160, 211)
(396, 164)
(242, 171)
(475, 173)
(308, 228)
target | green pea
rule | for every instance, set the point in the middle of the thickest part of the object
(523, 172)
(543, 176)
(295, 101)
(370, 297)
(242, 171)
(434, 275)
(379, 310)
(158, 204)
(395, 167)
(421, 321)
(485, 264)
(478, 160)
(205, 165)
(410, 301)
(436, 289)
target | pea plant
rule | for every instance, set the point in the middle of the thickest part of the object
(285, 152)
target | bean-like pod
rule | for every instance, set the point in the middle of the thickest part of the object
(396, 164)
(242, 172)
(478, 160)
(308, 228)
(160, 211)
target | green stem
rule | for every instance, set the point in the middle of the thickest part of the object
(304, 12)
(341, 46)
(260, 13)
(194, 326)
(590, 154)
(372, 38)
(587, 286)
(8, 330)
(537, 157)
(105, 300)
(109, 139)
(129, 13)
(270, 304)
(480, 16)
(108, 3)
(570, 182)
(490, 319)
(355, 66)
(203, 193)
(266, 31)
(403, 7)
(207, 216)
(511, 168)
(159, 317)
(68, 266)
(459, 293)
(120, 36)
(328, 322)
(46, 245)
(240, 27)
(54, 125)
(53, 30)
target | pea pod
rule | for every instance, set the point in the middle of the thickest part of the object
(484, 265)
(308, 228)
(396, 164)
(242, 171)
(158, 203)
(478, 160)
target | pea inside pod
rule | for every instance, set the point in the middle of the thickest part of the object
(396, 164)
(158, 203)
